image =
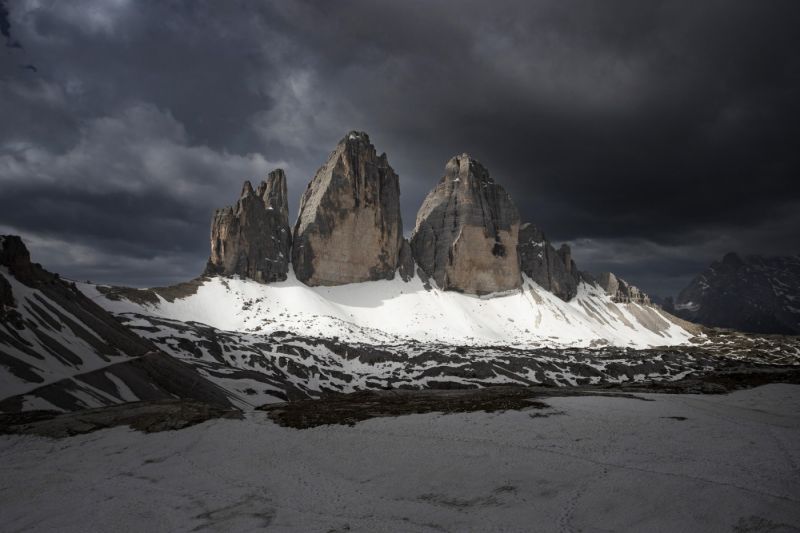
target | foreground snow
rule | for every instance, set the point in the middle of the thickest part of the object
(593, 464)
(391, 311)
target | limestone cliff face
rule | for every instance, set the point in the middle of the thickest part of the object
(552, 269)
(252, 238)
(349, 227)
(467, 230)
(621, 291)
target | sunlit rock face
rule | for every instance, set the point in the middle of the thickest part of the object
(349, 227)
(467, 230)
(552, 269)
(621, 291)
(252, 238)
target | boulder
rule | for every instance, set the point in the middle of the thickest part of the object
(554, 270)
(349, 227)
(252, 239)
(466, 232)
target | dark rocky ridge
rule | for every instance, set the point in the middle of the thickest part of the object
(57, 327)
(466, 232)
(349, 227)
(553, 270)
(754, 293)
(252, 238)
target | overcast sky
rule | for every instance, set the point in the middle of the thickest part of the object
(652, 136)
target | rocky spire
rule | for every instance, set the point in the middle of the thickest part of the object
(466, 232)
(553, 270)
(349, 227)
(621, 291)
(252, 238)
(275, 194)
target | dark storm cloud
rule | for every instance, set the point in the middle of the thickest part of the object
(654, 136)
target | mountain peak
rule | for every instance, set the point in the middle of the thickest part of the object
(253, 238)
(732, 259)
(349, 228)
(467, 230)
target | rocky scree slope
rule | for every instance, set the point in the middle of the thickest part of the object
(59, 350)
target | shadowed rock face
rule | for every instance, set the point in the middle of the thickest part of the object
(252, 238)
(750, 293)
(554, 270)
(621, 291)
(349, 227)
(467, 231)
(405, 262)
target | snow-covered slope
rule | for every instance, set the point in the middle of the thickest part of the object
(395, 311)
(674, 463)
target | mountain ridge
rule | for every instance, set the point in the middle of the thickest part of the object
(749, 293)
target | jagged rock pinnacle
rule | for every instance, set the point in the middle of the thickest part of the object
(252, 238)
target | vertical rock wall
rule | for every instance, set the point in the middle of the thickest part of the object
(552, 269)
(467, 230)
(252, 238)
(349, 227)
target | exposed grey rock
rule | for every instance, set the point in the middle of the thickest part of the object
(621, 291)
(15, 256)
(349, 227)
(554, 270)
(146, 416)
(252, 238)
(405, 262)
(466, 232)
(6, 295)
(752, 293)
(275, 193)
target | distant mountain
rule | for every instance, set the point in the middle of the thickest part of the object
(752, 293)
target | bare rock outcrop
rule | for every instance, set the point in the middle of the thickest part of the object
(554, 270)
(349, 227)
(15, 257)
(621, 291)
(466, 232)
(252, 238)
(405, 261)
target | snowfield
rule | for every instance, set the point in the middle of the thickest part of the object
(674, 463)
(392, 311)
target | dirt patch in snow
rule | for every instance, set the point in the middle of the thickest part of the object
(348, 409)
(150, 296)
